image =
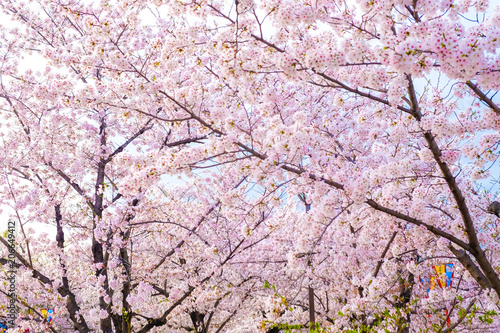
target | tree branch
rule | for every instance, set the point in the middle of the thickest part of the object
(474, 246)
(386, 249)
(482, 96)
(80, 323)
(434, 230)
(123, 146)
(471, 267)
(462, 317)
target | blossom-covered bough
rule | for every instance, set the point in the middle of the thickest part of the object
(380, 116)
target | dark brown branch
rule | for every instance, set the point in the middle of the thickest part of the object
(386, 249)
(482, 96)
(474, 246)
(191, 231)
(185, 141)
(360, 93)
(156, 322)
(98, 255)
(80, 323)
(75, 186)
(413, 12)
(173, 223)
(21, 259)
(268, 43)
(471, 267)
(5, 261)
(462, 317)
(123, 146)
(71, 305)
(35, 311)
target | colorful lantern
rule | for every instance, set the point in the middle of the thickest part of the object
(443, 279)
(48, 314)
(444, 275)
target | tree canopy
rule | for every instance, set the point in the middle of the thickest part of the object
(219, 166)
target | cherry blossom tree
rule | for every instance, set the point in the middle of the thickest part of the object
(333, 147)
(123, 259)
(128, 251)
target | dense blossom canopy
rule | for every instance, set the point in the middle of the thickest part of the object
(206, 165)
